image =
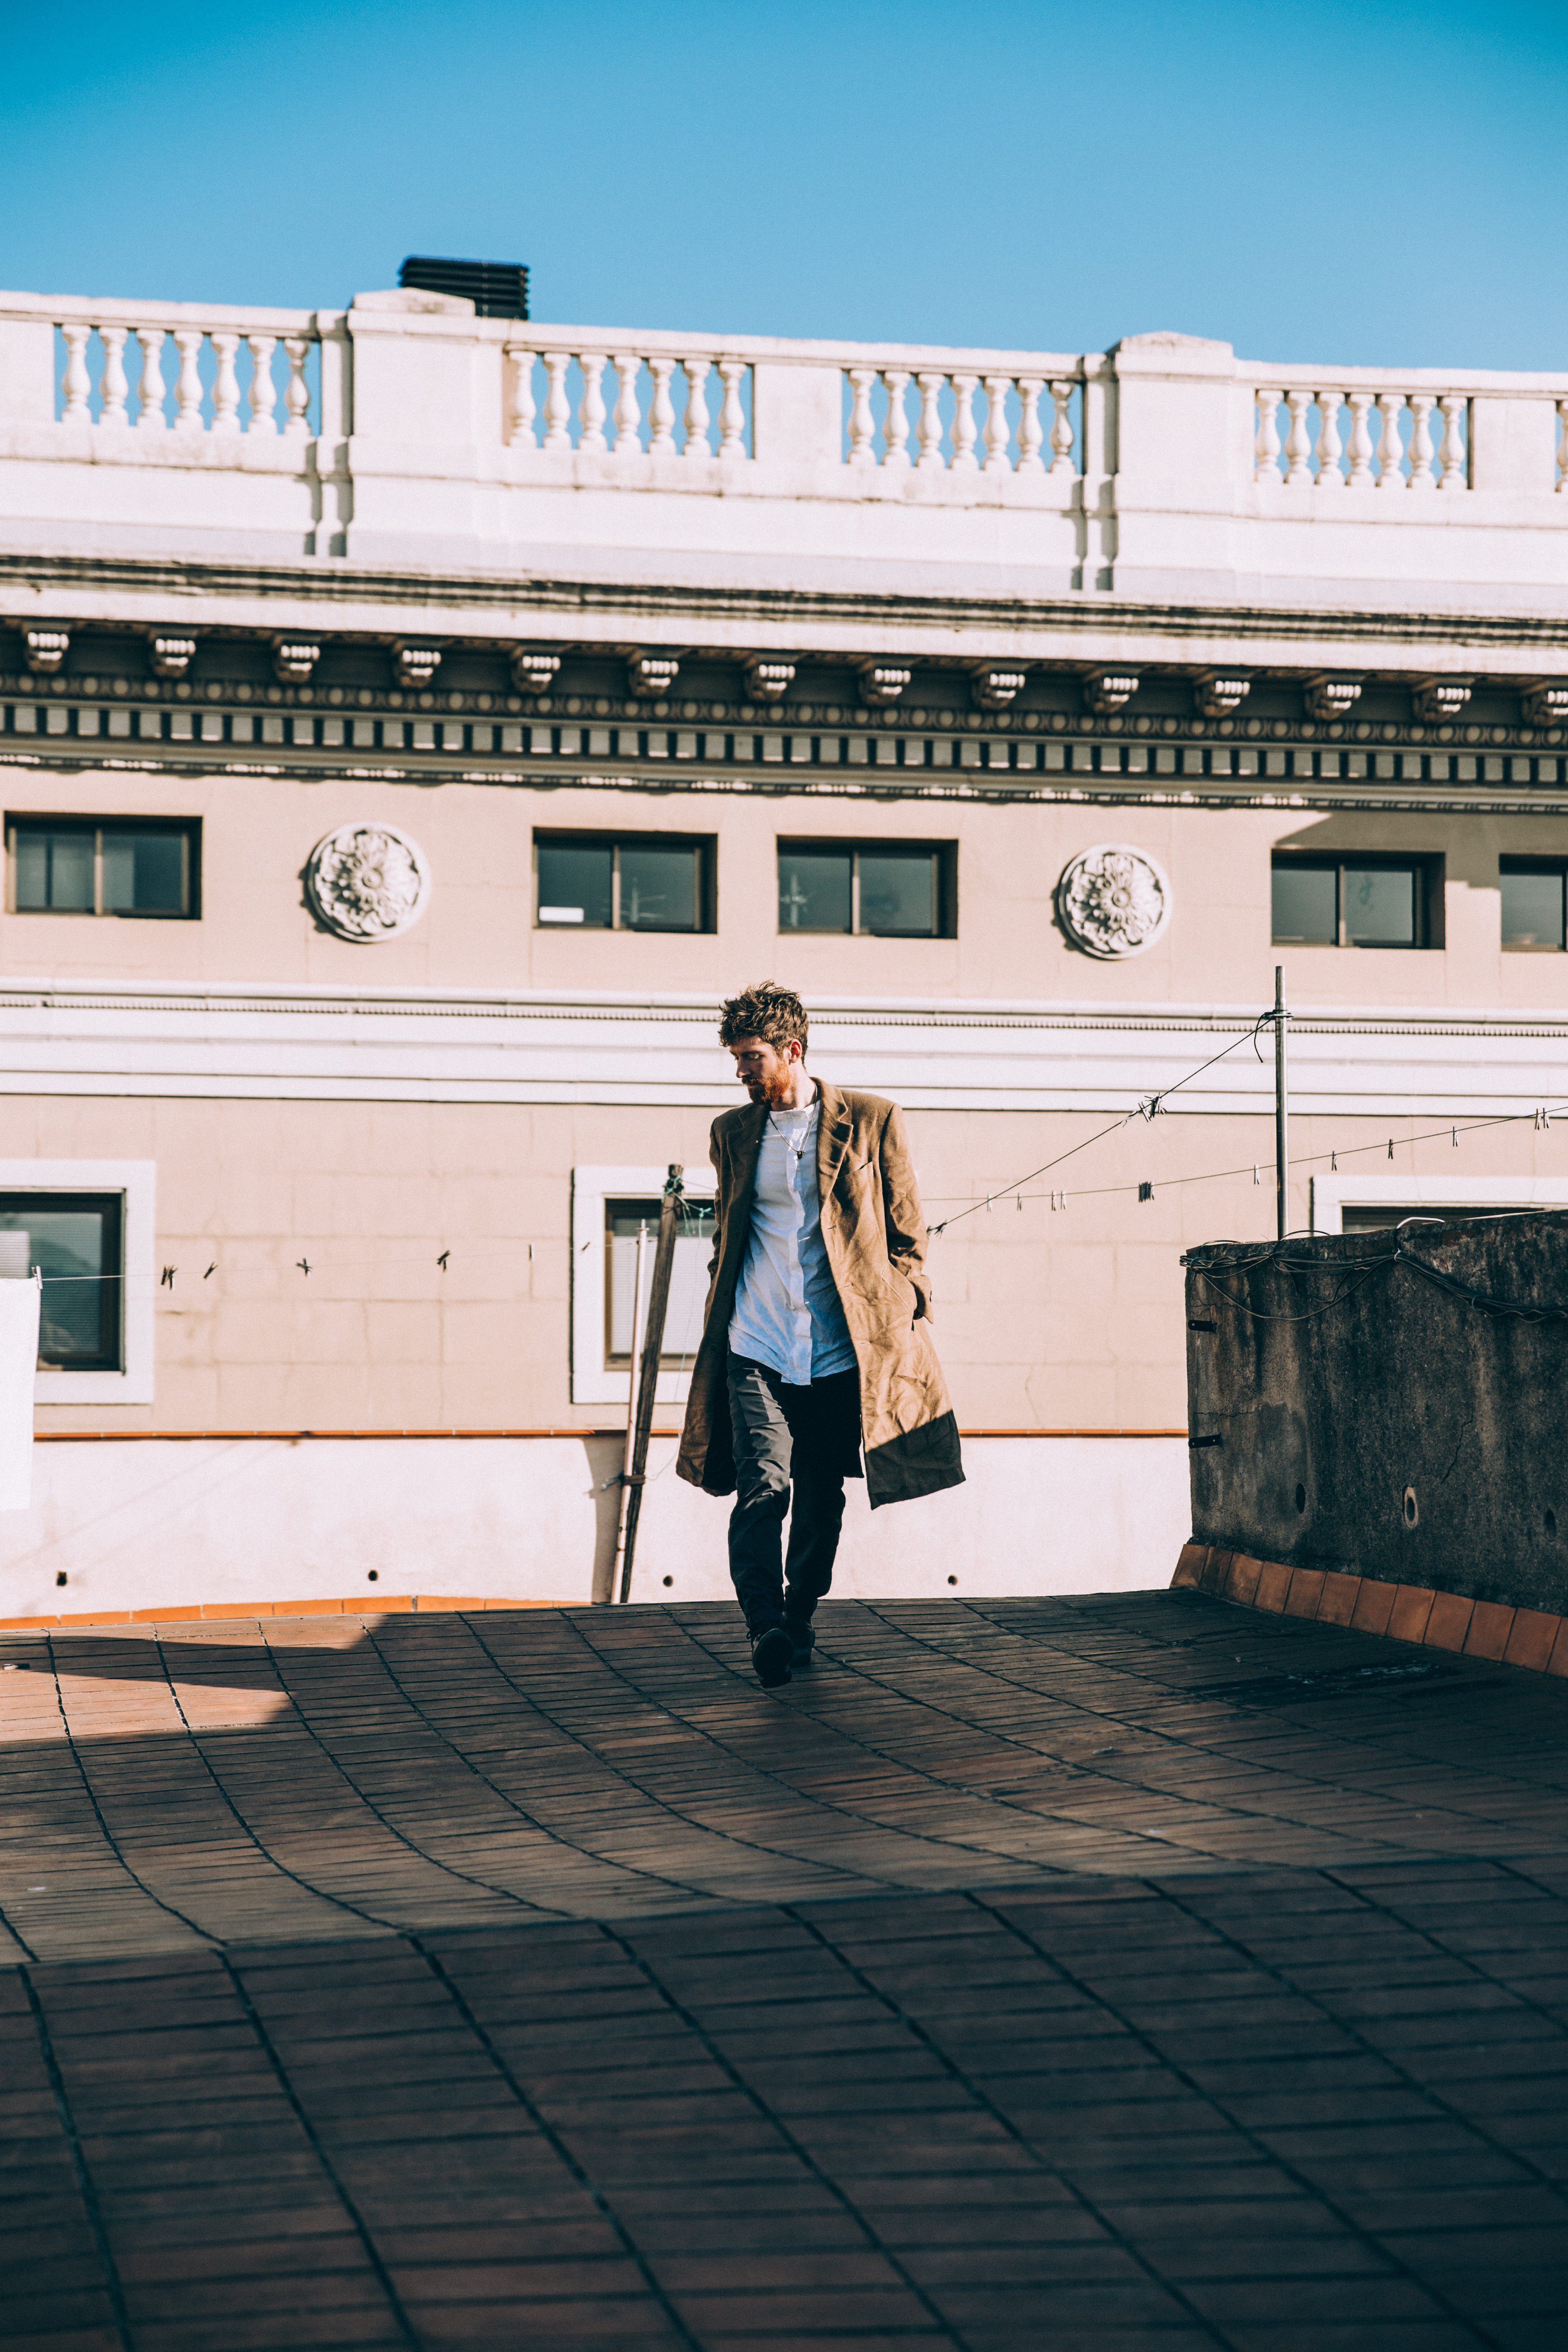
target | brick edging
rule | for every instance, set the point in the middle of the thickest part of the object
(1533, 1638)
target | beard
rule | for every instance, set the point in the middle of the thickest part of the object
(774, 1089)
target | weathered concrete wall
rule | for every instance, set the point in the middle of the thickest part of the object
(1370, 1422)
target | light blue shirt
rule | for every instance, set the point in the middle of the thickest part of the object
(786, 1313)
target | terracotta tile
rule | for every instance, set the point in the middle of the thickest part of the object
(307, 1609)
(1412, 1607)
(1374, 1602)
(238, 1609)
(1491, 1623)
(1341, 1594)
(16, 1624)
(1529, 1639)
(1448, 1623)
(1306, 1592)
(1189, 1567)
(1214, 1570)
(1273, 1584)
(1557, 1664)
(378, 1605)
(1241, 1582)
(96, 1617)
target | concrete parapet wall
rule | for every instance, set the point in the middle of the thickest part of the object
(1387, 1406)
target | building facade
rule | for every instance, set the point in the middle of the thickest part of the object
(413, 724)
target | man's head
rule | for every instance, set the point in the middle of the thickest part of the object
(766, 1029)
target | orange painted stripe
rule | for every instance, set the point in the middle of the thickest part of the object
(206, 1613)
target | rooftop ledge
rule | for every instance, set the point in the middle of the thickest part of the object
(404, 433)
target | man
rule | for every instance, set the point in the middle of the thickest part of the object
(817, 1327)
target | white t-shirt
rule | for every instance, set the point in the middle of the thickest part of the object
(786, 1313)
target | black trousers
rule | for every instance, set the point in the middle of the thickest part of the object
(781, 1434)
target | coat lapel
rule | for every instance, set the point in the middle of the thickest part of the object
(833, 1127)
(749, 1130)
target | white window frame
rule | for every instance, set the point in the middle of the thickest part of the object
(1454, 1196)
(593, 1381)
(135, 1181)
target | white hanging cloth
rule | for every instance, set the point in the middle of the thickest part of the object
(18, 1374)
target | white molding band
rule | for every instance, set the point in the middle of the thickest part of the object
(594, 1381)
(299, 1044)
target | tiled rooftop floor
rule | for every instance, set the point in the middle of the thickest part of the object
(1128, 1972)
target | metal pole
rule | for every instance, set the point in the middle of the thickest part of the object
(652, 1348)
(1281, 1109)
(625, 1479)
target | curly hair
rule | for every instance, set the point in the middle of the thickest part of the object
(775, 1014)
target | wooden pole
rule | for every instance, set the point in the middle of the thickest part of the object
(652, 1348)
(1281, 1105)
(625, 1477)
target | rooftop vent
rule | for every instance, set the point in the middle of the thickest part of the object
(498, 290)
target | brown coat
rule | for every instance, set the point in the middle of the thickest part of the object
(874, 1233)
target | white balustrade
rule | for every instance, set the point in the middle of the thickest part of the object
(951, 446)
(236, 407)
(1319, 456)
(626, 414)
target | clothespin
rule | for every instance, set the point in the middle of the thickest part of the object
(211, 1271)
(1145, 1191)
(303, 1264)
(1018, 1203)
(1334, 1162)
(1255, 1171)
(1391, 1147)
(441, 1261)
(1456, 1136)
(167, 1282)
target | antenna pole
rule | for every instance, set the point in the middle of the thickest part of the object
(1281, 1105)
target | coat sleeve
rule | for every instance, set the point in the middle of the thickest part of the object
(902, 1214)
(717, 1157)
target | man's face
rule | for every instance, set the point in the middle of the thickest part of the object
(766, 1072)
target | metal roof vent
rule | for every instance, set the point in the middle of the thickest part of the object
(498, 290)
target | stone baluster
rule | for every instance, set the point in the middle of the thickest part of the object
(862, 424)
(1421, 404)
(520, 412)
(297, 392)
(1298, 440)
(1265, 448)
(1359, 447)
(661, 410)
(591, 408)
(731, 410)
(76, 383)
(262, 398)
(557, 407)
(1061, 428)
(113, 385)
(964, 458)
(188, 383)
(225, 385)
(150, 389)
(1451, 456)
(1031, 431)
(696, 371)
(628, 409)
(1329, 446)
(998, 432)
(1389, 476)
(931, 457)
(896, 424)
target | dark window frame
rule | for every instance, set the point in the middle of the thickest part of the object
(704, 846)
(1426, 865)
(186, 829)
(1530, 865)
(110, 1357)
(944, 889)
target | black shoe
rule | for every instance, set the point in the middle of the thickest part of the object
(803, 1634)
(772, 1652)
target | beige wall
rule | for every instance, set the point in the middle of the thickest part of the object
(477, 932)
(1066, 1318)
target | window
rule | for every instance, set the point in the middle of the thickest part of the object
(1363, 901)
(1360, 1204)
(1533, 904)
(90, 1226)
(74, 1242)
(886, 890)
(73, 865)
(688, 1280)
(630, 882)
(608, 1206)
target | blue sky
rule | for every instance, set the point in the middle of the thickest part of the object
(1371, 182)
